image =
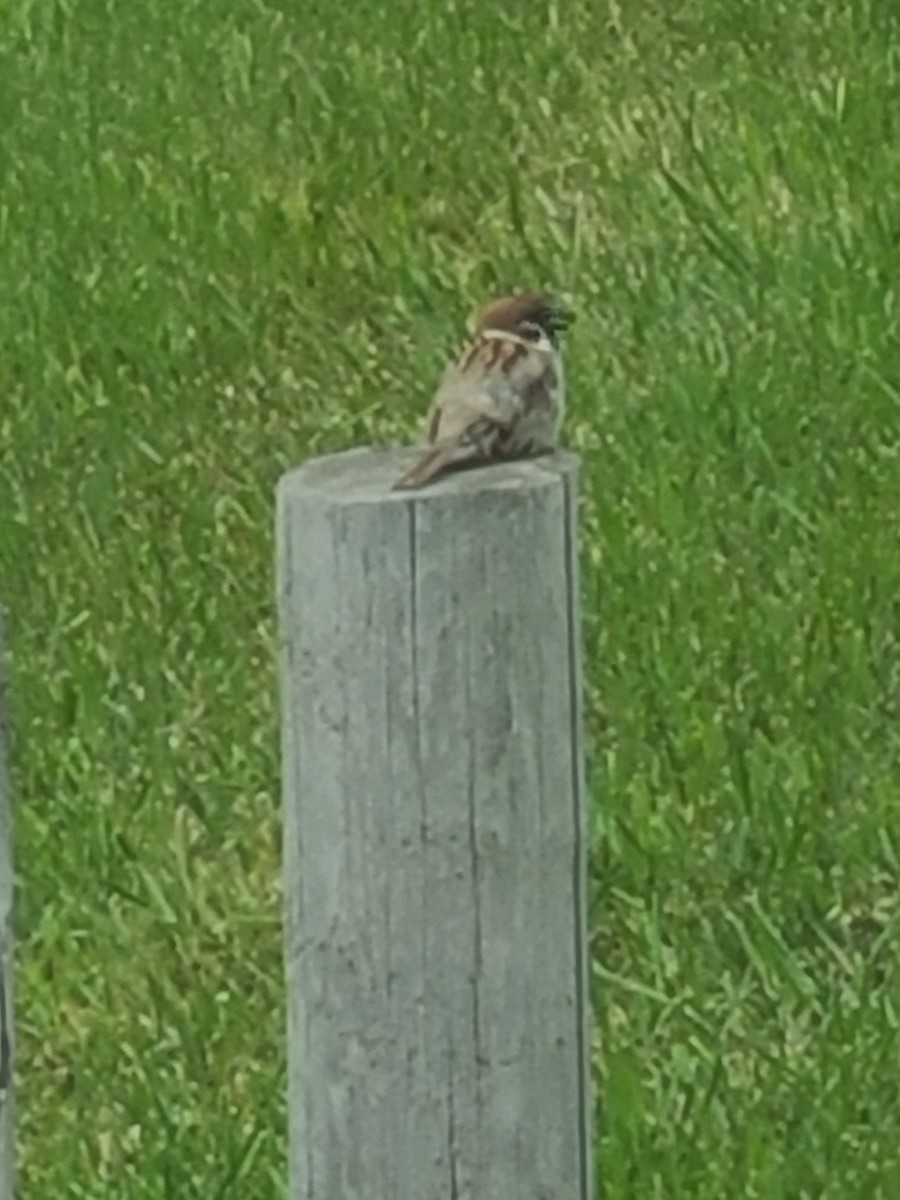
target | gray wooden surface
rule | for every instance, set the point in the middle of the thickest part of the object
(6, 949)
(434, 833)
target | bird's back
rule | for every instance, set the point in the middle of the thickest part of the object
(495, 377)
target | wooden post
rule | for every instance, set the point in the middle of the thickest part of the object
(7, 1165)
(434, 833)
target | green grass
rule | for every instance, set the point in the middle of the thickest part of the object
(234, 236)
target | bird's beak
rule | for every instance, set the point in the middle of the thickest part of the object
(563, 318)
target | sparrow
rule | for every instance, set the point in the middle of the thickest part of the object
(504, 396)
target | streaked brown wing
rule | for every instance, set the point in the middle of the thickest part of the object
(489, 383)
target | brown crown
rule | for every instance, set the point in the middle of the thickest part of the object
(535, 308)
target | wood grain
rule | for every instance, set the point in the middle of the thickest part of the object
(434, 832)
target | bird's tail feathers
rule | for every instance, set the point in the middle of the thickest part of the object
(426, 467)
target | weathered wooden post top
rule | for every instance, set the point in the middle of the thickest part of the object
(434, 832)
(6, 951)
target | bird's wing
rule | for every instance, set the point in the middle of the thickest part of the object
(480, 399)
(488, 385)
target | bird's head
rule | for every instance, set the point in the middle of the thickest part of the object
(531, 315)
